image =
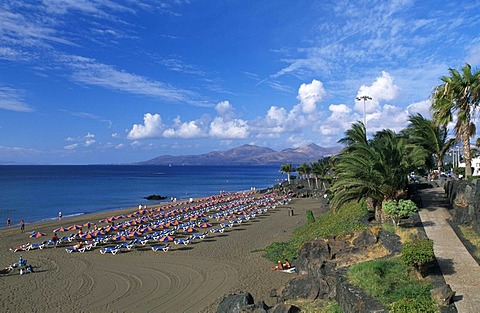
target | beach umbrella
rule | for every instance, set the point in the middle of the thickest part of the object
(95, 233)
(37, 234)
(119, 238)
(74, 227)
(166, 238)
(135, 234)
(205, 225)
(189, 230)
(88, 224)
(59, 229)
(87, 236)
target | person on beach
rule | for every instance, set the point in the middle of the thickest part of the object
(55, 239)
(79, 245)
(287, 264)
(22, 226)
(8, 222)
(278, 267)
(59, 215)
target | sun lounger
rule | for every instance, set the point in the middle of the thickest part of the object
(160, 247)
(34, 246)
(289, 270)
(6, 270)
(75, 249)
(112, 250)
(125, 245)
(198, 236)
(217, 230)
(181, 241)
(20, 248)
(49, 243)
(21, 262)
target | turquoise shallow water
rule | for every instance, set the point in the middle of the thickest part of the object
(36, 193)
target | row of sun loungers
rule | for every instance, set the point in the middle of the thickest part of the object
(165, 225)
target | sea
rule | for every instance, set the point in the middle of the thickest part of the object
(38, 193)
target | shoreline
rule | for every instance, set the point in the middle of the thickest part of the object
(189, 278)
(36, 194)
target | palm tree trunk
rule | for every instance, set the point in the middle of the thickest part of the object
(439, 164)
(467, 153)
(378, 212)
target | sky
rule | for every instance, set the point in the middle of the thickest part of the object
(107, 82)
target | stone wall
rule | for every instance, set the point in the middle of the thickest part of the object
(464, 197)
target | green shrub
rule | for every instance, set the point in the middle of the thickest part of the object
(418, 252)
(310, 217)
(398, 210)
(280, 251)
(414, 305)
(387, 280)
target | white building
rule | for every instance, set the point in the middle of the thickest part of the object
(475, 166)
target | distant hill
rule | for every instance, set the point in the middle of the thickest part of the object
(248, 155)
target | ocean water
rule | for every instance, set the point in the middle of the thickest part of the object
(37, 193)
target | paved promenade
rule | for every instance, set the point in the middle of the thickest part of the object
(458, 267)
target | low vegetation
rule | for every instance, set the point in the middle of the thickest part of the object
(417, 253)
(391, 282)
(472, 237)
(396, 210)
(346, 219)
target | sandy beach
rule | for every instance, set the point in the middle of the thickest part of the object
(187, 278)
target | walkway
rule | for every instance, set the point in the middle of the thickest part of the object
(458, 267)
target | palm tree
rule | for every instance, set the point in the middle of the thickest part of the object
(373, 169)
(304, 171)
(319, 169)
(287, 169)
(356, 134)
(460, 94)
(432, 138)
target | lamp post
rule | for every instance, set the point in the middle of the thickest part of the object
(364, 98)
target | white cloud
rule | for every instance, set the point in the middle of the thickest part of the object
(85, 141)
(388, 117)
(229, 129)
(152, 127)
(473, 57)
(11, 99)
(422, 107)
(89, 142)
(90, 72)
(382, 89)
(71, 147)
(339, 120)
(310, 94)
(224, 109)
(186, 130)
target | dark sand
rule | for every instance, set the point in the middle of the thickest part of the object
(190, 278)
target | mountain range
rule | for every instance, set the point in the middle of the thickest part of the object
(248, 155)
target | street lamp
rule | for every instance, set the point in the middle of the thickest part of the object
(364, 98)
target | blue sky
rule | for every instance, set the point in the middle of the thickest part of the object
(103, 81)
